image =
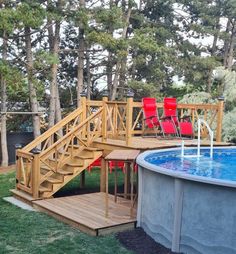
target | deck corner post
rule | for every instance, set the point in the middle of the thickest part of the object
(18, 170)
(129, 117)
(219, 119)
(104, 118)
(36, 175)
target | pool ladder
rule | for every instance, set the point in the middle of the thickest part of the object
(211, 133)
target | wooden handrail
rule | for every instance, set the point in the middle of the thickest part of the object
(52, 130)
(81, 125)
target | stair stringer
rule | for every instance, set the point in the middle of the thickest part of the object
(67, 178)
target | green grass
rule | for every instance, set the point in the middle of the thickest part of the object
(26, 232)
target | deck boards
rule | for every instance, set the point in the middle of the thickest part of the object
(88, 211)
(146, 143)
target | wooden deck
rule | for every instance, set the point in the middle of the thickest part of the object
(150, 143)
(87, 212)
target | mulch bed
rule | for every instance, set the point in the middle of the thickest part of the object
(140, 243)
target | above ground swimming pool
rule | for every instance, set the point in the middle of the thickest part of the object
(188, 203)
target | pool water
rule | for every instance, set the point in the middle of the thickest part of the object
(221, 166)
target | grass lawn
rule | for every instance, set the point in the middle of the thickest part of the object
(26, 232)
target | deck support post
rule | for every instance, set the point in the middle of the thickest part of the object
(103, 175)
(219, 119)
(104, 118)
(129, 117)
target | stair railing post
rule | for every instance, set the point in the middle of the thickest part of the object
(35, 172)
(104, 117)
(83, 105)
(220, 119)
(129, 117)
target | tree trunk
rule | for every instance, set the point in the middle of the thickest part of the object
(32, 90)
(109, 74)
(118, 65)
(88, 74)
(226, 43)
(230, 55)
(216, 35)
(110, 64)
(4, 108)
(80, 74)
(54, 39)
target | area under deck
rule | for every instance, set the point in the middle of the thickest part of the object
(87, 212)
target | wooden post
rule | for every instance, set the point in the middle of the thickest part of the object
(103, 175)
(18, 171)
(104, 118)
(84, 112)
(219, 119)
(129, 117)
(83, 104)
(18, 166)
(36, 173)
(107, 189)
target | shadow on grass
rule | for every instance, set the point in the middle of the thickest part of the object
(92, 184)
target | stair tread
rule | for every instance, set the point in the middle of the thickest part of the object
(87, 148)
(75, 164)
(44, 189)
(66, 153)
(81, 156)
(93, 149)
(64, 172)
(54, 180)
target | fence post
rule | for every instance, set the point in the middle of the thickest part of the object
(36, 173)
(129, 117)
(104, 117)
(219, 119)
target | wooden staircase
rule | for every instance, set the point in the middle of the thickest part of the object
(57, 156)
(76, 165)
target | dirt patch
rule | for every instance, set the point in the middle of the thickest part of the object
(4, 170)
(140, 243)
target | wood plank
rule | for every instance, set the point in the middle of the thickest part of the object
(123, 155)
(147, 143)
(88, 212)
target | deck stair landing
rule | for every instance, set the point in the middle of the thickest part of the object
(87, 212)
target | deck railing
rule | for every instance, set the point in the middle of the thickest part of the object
(54, 156)
(97, 119)
(122, 120)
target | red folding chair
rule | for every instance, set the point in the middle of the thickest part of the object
(112, 165)
(96, 163)
(183, 124)
(165, 125)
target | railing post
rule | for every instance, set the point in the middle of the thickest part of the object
(129, 117)
(36, 173)
(18, 171)
(83, 105)
(219, 119)
(104, 117)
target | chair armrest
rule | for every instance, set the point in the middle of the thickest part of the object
(166, 117)
(185, 117)
(150, 117)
